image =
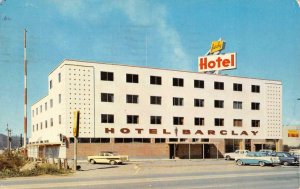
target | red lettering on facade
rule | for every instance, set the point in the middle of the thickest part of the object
(153, 131)
(166, 132)
(199, 132)
(186, 132)
(233, 133)
(223, 132)
(125, 130)
(211, 132)
(139, 130)
(244, 133)
(254, 132)
(111, 130)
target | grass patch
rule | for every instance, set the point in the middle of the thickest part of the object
(10, 165)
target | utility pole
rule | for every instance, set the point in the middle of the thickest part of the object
(25, 95)
(8, 138)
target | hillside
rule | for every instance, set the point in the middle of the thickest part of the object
(3, 141)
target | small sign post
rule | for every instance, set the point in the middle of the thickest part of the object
(75, 134)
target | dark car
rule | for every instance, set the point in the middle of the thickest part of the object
(286, 158)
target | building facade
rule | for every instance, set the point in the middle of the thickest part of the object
(153, 113)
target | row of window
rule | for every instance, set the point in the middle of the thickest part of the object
(40, 108)
(157, 120)
(178, 82)
(40, 126)
(177, 101)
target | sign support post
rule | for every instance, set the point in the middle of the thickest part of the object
(75, 134)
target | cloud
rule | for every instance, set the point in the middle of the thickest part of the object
(139, 13)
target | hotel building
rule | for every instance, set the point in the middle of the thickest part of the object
(153, 113)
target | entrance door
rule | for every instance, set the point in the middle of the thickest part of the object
(171, 151)
(206, 151)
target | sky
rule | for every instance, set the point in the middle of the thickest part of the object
(168, 34)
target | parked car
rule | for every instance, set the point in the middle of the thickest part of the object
(236, 154)
(257, 158)
(108, 157)
(286, 158)
(268, 151)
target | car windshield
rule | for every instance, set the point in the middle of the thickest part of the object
(288, 154)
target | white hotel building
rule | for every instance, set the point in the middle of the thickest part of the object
(154, 113)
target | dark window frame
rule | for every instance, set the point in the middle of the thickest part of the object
(219, 104)
(178, 82)
(199, 84)
(132, 99)
(132, 78)
(199, 121)
(106, 76)
(107, 97)
(178, 101)
(155, 80)
(237, 87)
(218, 85)
(107, 118)
(219, 122)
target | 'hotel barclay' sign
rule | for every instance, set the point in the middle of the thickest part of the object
(167, 133)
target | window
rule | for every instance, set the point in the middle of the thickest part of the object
(51, 122)
(199, 102)
(198, 84)
(219, 85)
(59, 77)
(46, 124)
(107, 97)
(37, 127)
(132, 78)
(59, 119)
(32, 128)
(178, 120)
(237, 122)
(50, 84)
(37, 111)
(46, 106)
(237, 87)
(155, 80)
(219, 103)
(255, 106)
(178, 82)
(237, 105)
(199, 121)
(155, 100)
(41, 124)
(51, 103)
(32, 113)
(255, 123)
(155, 119)
(59, 98)
(107, 118)
(107, 76)
(41, 108)
(134, 99)
(255, 88)
(219, 122)
(132, 119)
(177, 101)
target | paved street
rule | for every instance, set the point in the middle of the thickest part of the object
(195, 174)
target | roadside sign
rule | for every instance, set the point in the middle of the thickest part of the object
(216, 46)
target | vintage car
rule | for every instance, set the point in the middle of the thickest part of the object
(108, 157)
(236, 154)
(257, 158)
(286, 158)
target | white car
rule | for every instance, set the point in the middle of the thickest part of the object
(108, 157)
(236, 154)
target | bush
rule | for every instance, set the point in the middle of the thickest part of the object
(10, 164)
(11, 161)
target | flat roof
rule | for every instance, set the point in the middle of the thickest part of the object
(155, 68)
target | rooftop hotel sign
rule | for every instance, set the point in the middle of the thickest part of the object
(217, 62)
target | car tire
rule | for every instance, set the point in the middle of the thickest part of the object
(261, 163)
(92, 161)
(227, 158)
(112, 162)
(239, 162)
(286, 163)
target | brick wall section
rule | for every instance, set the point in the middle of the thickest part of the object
(133, 150)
